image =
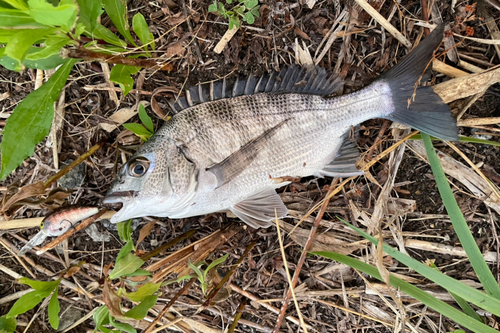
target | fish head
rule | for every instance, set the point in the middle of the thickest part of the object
(157, 181)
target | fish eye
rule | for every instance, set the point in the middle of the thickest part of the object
(138, 167)
(42, 225)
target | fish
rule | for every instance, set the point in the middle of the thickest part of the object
(227, 144)
(58, 222)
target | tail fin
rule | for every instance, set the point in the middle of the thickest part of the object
(427, 113)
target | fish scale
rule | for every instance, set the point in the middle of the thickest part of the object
(226, 142)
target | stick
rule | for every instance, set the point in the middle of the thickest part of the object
(303, 256)
(384, 23)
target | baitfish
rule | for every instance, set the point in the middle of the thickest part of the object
(226, 143)
(57, 223)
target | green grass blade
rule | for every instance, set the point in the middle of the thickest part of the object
(479, 298)
(427, 299)
(466, 307)
(457, 219)
(462, 139)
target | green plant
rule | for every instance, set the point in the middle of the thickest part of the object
(32, 35)
(202, 274)
(463, 294)
(43, 289)
(144, 131)
(126, 265)
(247, 10)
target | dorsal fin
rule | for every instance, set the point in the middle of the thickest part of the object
(293, 79)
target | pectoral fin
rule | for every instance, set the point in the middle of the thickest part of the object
(235, 163)
(260, 209)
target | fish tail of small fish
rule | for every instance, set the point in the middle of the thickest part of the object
(420, 108)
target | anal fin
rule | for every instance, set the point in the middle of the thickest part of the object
(344, 164)
(260, 209)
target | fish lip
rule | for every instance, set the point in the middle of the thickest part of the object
(118, 197)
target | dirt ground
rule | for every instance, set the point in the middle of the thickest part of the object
(331, 297)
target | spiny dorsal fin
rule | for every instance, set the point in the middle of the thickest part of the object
(293, 79)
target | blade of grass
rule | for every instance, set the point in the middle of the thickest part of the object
(479, 298)
(427, 299)
(482, 270)
(462, 139)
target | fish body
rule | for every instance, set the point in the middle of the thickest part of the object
(225, 147)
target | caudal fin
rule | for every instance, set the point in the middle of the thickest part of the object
(427, 112)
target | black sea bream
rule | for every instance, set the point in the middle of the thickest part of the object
(224, 146)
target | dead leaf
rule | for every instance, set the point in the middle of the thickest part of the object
(145, 231)
(72, 271)
(121, 116)
(112, 301)
(23, 193)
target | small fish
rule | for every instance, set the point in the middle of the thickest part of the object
(58, 222)
(227, 144)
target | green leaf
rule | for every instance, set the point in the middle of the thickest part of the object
(125, 230)
(20, 43)
(469, 244)
(105, 34)
(126, 249)
(139, 130)
(215, 263)
(255, 11)
(429, 300)
(7, 324)
(101, 318)
(41, 286)
(63, 15)
(117, 12)
(196, 270)
(251, 3)
(14, 17)
(122, 326)
(249, 18)
(147, 289)
(139, 272)
(25, 303)
(128, 264)
(213, 7)
(121, 74)
(90, 11)
(53, 46)
(34, 112)
(141, 29)
(233, 23)
(47, 63)
(145, 119)
(141, 310)
(53, 310)
(17, 4)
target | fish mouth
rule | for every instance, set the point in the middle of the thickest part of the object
(116, 200)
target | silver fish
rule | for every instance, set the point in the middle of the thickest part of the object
(226, 144)
(57, 223)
